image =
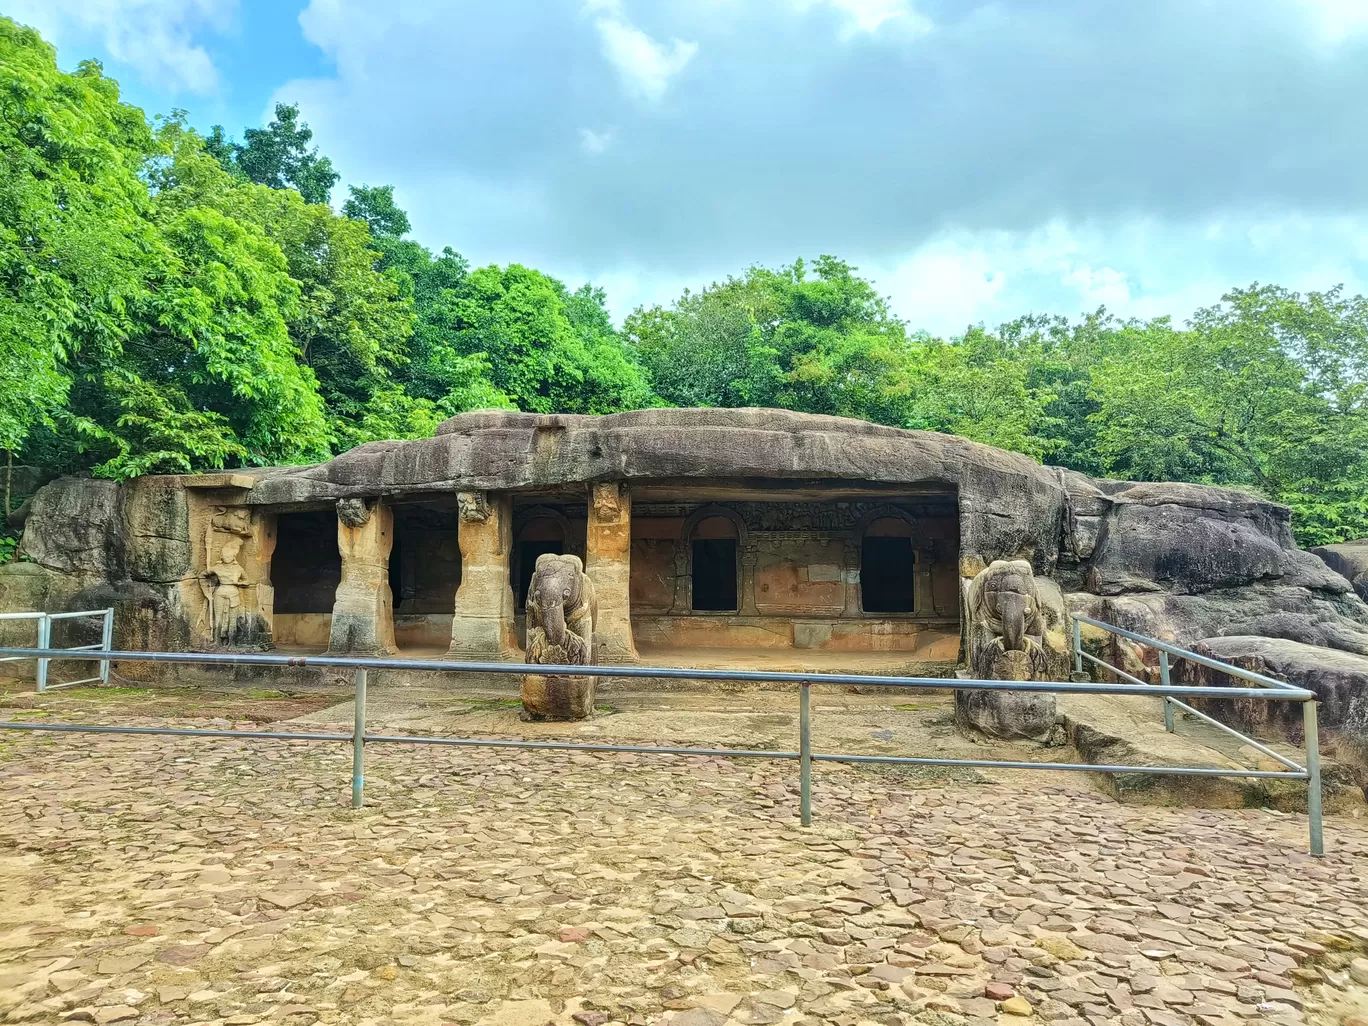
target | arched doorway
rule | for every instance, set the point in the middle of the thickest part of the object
(715, 570)
(888, 566)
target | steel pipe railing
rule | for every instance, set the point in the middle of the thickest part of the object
(1274, 688)
(359, 737)
(45, 653)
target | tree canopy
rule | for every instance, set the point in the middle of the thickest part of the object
(171, 302)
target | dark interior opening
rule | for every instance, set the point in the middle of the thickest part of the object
(714, 574)
(306, 566)
(528, 551)
(887, 572)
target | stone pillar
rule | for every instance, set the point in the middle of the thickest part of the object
(923, 600)
(483, 627)
(750, 556)
(850, 579)
(607, 561)
(363, 611)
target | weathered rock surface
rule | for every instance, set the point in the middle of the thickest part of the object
(1313, 617)
(1349, 560)
(1339, 679)
(75, 526)
(1010, 506)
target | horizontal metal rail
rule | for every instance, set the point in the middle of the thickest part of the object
(678, 673)
(45, 654)
(1273, 689)
(1190, 656)
(575, 746)
(359, 737)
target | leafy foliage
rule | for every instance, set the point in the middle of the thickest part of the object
(278, 156)
(174, 303)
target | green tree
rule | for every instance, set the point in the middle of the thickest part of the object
(549, 351)
(277, 156)
(1264, 390)
(824, 343)
(376, 207)
(74, 231)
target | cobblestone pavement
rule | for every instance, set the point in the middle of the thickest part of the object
(166, 880)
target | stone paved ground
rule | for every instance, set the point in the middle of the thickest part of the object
(164, 880)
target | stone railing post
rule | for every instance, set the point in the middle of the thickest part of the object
(363, 611)
(483, 626)
(608, 550)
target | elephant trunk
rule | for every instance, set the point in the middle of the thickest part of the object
(1012, 611)
(553, 621)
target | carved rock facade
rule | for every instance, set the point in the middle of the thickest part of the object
(188, 560)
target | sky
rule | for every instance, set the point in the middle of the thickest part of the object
(978, 159)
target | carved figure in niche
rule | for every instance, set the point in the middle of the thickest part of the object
(232, 520)
(473, 506)
(222, 585)
(608, 504)
(561, 610)
(1006, 642)
(353, 512)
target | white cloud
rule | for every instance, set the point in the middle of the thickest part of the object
(1337, 20)
(1135, 267)
(155, 36)
(595, 142)
(869, 16)
(644, 65)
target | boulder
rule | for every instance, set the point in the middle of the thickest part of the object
(75, 526)
(1349, 560)
(1339, 679)
(1320, 618)
(1187, 539)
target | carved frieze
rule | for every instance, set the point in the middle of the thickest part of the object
(780, 517)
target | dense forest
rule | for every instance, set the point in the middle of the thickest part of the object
(174, 302)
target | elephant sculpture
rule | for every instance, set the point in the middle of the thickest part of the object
(1007, 641)
(561, 612)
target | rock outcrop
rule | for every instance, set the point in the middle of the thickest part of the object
(1339, 679)
(1180, 562)
(1349, 560)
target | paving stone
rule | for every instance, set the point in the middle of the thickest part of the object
(231, 880)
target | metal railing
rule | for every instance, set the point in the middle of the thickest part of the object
(805, 756)
(45, 642)
(1310, 724)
